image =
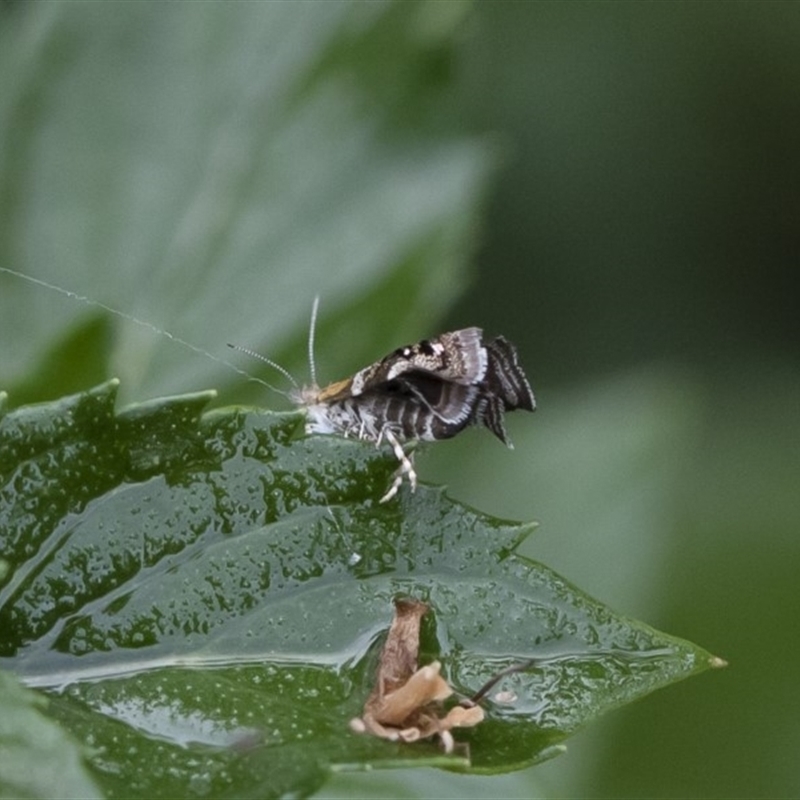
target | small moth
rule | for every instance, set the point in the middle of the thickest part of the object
(426, 391)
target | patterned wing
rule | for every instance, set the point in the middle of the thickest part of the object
(457, 356)
(504, 388)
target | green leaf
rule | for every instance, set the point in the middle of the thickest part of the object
(209, 168)
(37, 757)
(204, 598)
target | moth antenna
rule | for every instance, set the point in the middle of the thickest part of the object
(495, 679)
(278, 367)
(311, 331)
(143, 323)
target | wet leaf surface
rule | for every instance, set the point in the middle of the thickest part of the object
(206, 598)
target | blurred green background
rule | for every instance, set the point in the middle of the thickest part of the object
(623, 178)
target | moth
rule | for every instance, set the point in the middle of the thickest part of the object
(426, 391)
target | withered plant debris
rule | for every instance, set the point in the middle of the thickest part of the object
(406, 703)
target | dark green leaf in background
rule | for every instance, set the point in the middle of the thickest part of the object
(210, 170)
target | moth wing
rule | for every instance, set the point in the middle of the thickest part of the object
(457, 356)
(504, 388)
(505, 377)
(448, 401)
(467, 360)
(439, 409)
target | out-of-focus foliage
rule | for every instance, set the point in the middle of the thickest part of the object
(640, 248)
(38, 757)
(209, 169)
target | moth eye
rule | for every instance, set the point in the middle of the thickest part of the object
(427, 348)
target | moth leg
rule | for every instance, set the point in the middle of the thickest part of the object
(406, 466)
